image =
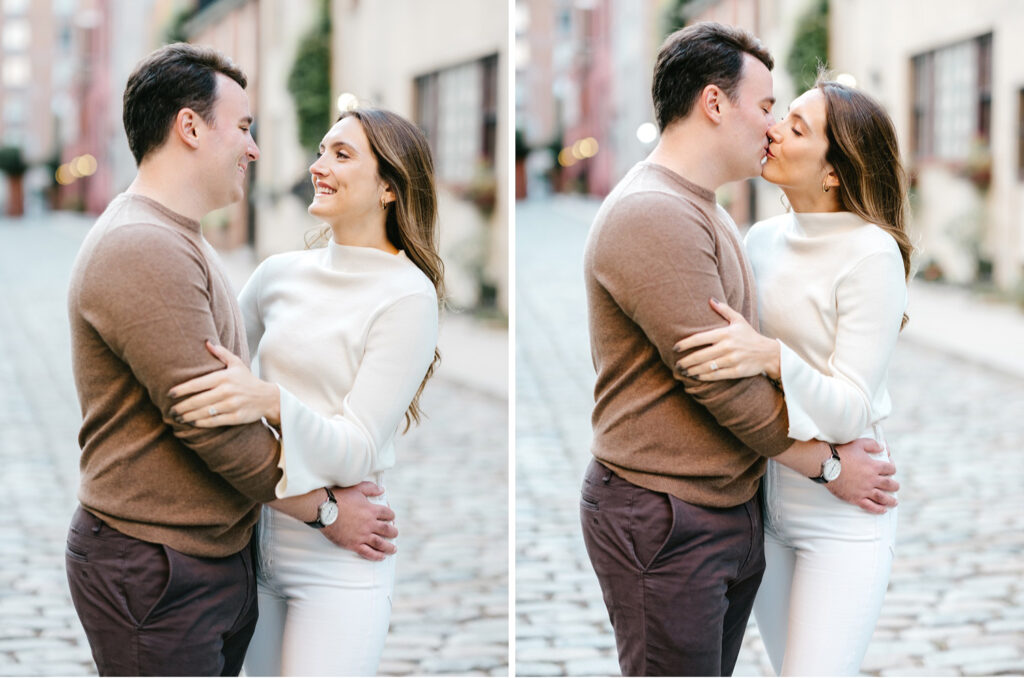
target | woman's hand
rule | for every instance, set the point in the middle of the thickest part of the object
(731, 352)
(226, 397)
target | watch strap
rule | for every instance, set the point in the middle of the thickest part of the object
(820, 478)
(316, 524)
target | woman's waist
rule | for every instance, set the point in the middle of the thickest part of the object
(282, 523)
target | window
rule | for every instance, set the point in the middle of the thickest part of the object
(16, 35)
(952, 107)
(14, 110)
(457, 109)
(16, 71)
(15, 6)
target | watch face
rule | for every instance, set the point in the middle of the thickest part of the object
(328, 512)
(830, 469)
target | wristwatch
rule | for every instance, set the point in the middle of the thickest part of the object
(830, 468)
(326, 513)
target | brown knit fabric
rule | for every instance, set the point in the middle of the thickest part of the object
(659, 248)
(145, 294)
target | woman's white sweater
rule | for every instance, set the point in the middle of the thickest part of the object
(348, 334)
(831, 289)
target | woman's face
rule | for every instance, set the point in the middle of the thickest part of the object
(345, 175)
(796, 154)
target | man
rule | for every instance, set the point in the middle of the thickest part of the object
(160, 552)
(670, 508)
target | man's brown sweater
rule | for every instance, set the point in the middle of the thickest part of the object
(659, 248)
(145, 294)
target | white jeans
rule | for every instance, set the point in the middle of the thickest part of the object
(324, 611)
(828, 565)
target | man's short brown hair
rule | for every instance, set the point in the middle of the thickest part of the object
(707, 53)
(173, 77)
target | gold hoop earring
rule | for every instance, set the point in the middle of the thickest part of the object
(824, 185)
(383, 204)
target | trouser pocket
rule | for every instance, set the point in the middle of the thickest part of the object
(146, 578)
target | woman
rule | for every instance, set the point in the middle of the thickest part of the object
(831, 278)
(345, 338)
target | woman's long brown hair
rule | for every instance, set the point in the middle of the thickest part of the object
(863, 150)
(405, 164)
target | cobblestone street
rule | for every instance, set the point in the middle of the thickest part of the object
(449, 490)
(955, 604)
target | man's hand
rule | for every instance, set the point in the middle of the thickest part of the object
(865, 481)
(362, 526)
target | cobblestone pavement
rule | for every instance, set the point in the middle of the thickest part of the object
(449, 491)
(955, 604)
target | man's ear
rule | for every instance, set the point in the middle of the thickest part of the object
(710, 102)
(186, 127)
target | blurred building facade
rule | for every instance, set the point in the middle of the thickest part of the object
(443, 65)
(953, 80)
(33, 37)
(946, 71)
(583, 89)
(948, 74)
(64, 65)
(453, 88)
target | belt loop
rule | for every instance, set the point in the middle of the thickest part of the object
(607, 475)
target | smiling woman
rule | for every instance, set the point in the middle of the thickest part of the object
(345, 337)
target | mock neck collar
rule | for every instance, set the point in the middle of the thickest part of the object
(351, 257)
(816, 224)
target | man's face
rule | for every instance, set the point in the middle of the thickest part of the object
(747, 119)
(227, 145)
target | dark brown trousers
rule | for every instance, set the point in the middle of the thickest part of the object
(679, 580)
(149, 610)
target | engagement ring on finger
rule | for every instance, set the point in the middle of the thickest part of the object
(714, 366)
(212, 411)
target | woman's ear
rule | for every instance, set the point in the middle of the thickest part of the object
(388, 195)
(186, 125)
(831, 179)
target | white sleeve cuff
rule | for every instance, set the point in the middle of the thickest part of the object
(793, 373)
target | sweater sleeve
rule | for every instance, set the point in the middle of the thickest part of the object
(837, 406)
(149, 298)
(399, 349)
(249, 303)
(659, 261)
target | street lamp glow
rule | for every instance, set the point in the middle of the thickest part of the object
(64, 175)
(347, 102)
(84, 165)
(647, 132)
(588, 147)
(846, 79)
